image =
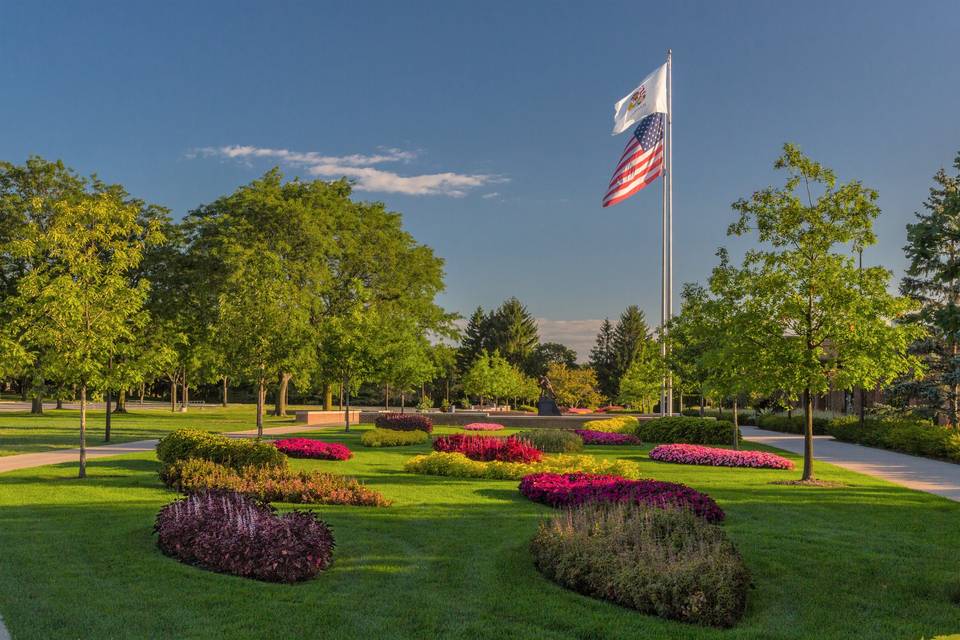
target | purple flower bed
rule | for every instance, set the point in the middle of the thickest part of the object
(487, 448)
(696, 454)
(483, 426)
(404, 422)
(570, 489)
(307, 448)
(230, 533)
(604, 437)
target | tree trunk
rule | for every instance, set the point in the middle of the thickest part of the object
(402, 401)
(24, 390)
(386, 397)
(863, 406)
(143, 392)
(736, 425)
(83, 431)
(345, 390)
(173, 395)
(121, 401)
(224, 399)
(36, 405)
(807, 435)
(59, 402)
(447, 396)
(185, 400)
(701, 406)
(261, 398)
(108, 413)
(327, 396)
(280, 407)
(681, 403)
(340, 405)
(954, 390)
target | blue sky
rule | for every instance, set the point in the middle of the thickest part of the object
(487, 124)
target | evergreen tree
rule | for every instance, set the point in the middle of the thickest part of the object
(514, 333)
(474, 341)
(933, 280)
(603, 361)
(629, 338)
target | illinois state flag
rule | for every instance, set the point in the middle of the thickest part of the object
(650, 97)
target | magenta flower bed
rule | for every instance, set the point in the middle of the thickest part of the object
(307, 448)
(483, 426)
(603, 437)
(571, 489)
(697, 454)
(404, 422)
(487, 448)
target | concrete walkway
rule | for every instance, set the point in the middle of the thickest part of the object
(27, 460)
(922, 474)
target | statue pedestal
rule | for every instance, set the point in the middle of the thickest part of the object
(547, 407)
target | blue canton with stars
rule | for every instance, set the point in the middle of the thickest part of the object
(650, 131)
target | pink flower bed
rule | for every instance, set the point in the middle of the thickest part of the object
(307, 448)
(571, 489)
(577, 411)
(487, 448)
(483, 426)
(696, 454)
(602, 437)
(610, 407)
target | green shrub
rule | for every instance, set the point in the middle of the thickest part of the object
(391, 438)
(553, 440)
(440, 463)
(791, 424)
(526, 408)
(270, 484)
(186, 444)
(916, 437)
(665, 562)
(618, 424)
(744, 416)
(681, 429)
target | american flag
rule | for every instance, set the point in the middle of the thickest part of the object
(641, 162)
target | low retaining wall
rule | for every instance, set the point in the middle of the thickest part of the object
(514, 421)
(322, 418)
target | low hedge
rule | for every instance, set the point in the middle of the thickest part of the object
(553, 440)
(665, 562)
(270, 484)
(392, 438)
(685, 430)
(619, 424)
(186, 444)
(404, 422)
(916, 437)
(744, 416)
(791, 424)
(231, 533)
(460, 466)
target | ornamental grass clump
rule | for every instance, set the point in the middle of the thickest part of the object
(391, 438)
(488, 448)
(458, 465)
(553, 440)
(230, 533)
(307, 448)
(483, 426)
(588, 436)
(711, 456)
(270, 484)
(184, 444)
(404, 422)
(664, 562)
(571, 489)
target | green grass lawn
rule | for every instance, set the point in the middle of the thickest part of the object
(21, 432)
(449, 560)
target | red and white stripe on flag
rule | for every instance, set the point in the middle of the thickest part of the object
(641, 162)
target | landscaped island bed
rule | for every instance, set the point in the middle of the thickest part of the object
(450, 558)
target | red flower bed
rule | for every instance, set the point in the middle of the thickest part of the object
(577, 411)
(307, 448)
(487, 448)
(226, 532)
(604, 437)
(570, 489)
(696, 454)
(404, 422)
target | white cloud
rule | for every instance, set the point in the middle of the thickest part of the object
(492, 194)
(359, 168)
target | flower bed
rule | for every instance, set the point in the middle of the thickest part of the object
(571, 489)
(696, 454)
(553, 440)
(270, 484)
(231, 533)
(391, 438)
(307, 448)
(577, 411)
(664, 562)
(487, 448)
(483, 426)
(606, 437)
(458, 465)
(404, 422)
(619, 424)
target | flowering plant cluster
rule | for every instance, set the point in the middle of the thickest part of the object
(458, 465)
(230, 533)
(606, 437)
(610, 407)
(571, 489)
(404, 422)
(487, 448)
(577, 411)
(617, 424)
(483, 426)
(307, 448)
(696, 454)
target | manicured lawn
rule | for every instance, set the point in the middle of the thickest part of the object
(21, 432)
(449, 560)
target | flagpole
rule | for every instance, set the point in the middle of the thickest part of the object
(663, 286)
(670, 214)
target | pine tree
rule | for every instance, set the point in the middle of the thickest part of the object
(629, 338)
(514, 333)
(933, 280)
(475, 340)
(603, 361)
